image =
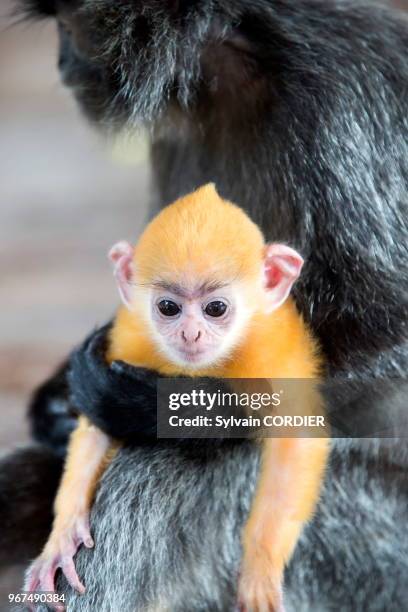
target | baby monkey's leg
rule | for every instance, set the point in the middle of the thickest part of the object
(89, 452)
(288, 489)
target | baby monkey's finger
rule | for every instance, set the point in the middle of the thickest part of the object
(69, 571)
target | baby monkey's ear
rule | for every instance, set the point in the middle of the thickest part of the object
(121, 256)
(282, 266)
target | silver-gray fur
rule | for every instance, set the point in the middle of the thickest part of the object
(172, 542)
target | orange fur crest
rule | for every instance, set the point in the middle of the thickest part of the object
(199, 236)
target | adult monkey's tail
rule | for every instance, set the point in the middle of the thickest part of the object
(29, 479)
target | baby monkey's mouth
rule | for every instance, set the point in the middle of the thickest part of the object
(196, 357)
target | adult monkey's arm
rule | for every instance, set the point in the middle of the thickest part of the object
(96, 386)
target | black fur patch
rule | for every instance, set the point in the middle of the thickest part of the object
(118, 398)
(28, 482)
(51, 415)
(37, 8)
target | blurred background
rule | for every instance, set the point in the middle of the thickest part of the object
(65, 197)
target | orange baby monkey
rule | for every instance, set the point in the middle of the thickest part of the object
(205, 296)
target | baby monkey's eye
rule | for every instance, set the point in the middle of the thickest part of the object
(216, 308)
(168, 308)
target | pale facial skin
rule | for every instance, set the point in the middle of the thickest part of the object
(196, 328)
(197, 323)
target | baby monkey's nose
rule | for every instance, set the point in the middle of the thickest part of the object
(191, 336)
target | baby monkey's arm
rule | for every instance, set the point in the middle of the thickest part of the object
(291, 475)
(89, 452)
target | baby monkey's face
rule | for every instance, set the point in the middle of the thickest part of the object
(195, 319)
(197, 326)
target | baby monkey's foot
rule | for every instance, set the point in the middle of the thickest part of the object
(59, 552)
(260, 590)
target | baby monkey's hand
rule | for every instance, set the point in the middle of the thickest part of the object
(260, 590)
(265, 550)
(59, 552)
